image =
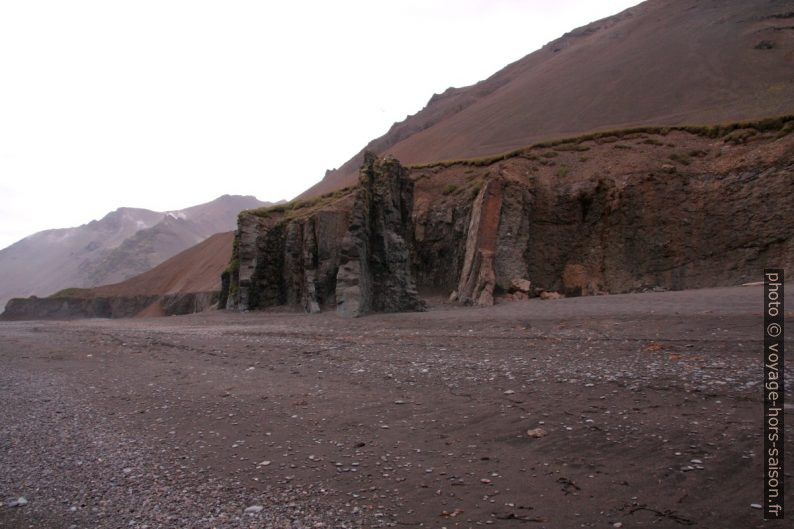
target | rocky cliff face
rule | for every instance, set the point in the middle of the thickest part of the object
(351, 252)
(375, 267)
(282, 259)
(77, 307)
(606, 213)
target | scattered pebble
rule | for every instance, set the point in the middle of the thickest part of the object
(537, 433)
(19, 502)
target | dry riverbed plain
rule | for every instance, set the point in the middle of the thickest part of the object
(639, 410)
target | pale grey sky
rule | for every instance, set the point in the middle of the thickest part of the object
(169, 103)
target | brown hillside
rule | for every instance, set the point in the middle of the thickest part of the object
(664, 62)
(188, 282)
(121, 245)
(197, 269)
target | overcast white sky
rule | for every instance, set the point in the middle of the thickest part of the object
(170, 103)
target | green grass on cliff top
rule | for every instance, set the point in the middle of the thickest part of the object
(297, 208)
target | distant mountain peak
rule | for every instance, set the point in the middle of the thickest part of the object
(123, 243)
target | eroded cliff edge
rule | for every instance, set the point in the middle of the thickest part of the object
(664, 208)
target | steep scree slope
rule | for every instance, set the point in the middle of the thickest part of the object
(663, 62)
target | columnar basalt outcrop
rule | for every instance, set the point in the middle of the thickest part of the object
(483, 256)
(375, 268)
(284, 260)
(607, 213)
(351, 252)
(495, 243)
(478, 278)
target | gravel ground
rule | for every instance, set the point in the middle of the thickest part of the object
(78, 467)
(619, 411)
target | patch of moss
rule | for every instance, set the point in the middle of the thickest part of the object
(475, 188)
(234, 266)
(740, 136)
(73, 293)
(267, 211)
(296, 208)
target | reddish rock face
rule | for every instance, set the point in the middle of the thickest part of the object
(603, 214)
(576, 280)
(478, 279)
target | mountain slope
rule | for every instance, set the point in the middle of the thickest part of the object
(124, 243)
(197, 269)
(663, 62)
(177, 231)
(187, 282)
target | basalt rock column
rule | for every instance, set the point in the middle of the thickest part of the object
(478, 278)
(375, 262)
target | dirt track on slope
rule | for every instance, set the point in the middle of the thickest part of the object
(650, 404)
